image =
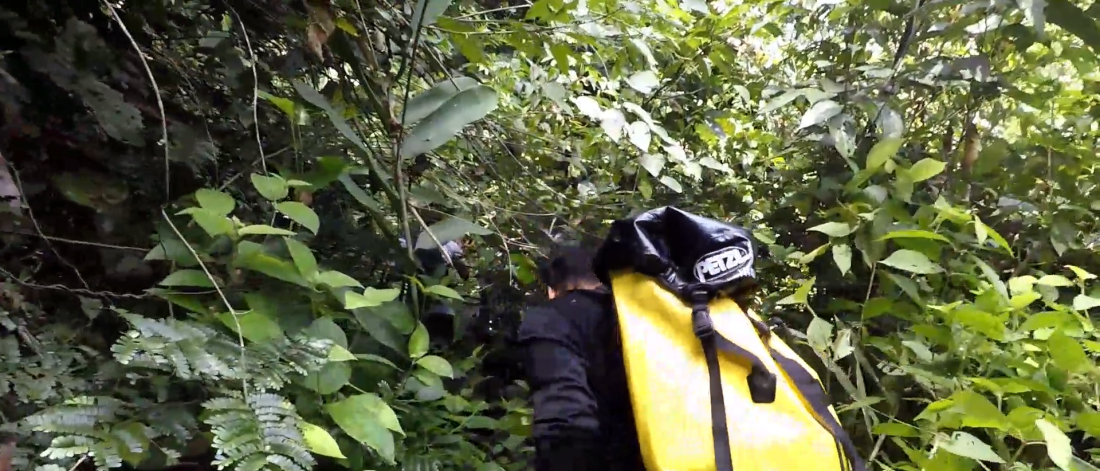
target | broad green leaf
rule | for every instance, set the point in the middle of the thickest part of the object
(819, 334)
(968, 446)
(196, 278)
(913, 234)
(925, 168)
(911, 261)
(1089, 422)
(1067, 353)
(801, 294)
(882, 151)
(424, 103)
(921, 350)
(330, 379)
(896, 429)
(977, 411)
(1046, 320)
(1058, 446)
(639, 135)
(842, 255)
(302, 256)
(613, 121)
(588, 106)
(215, 201)
(418, 341)
(652, 163)
(326, 328)
(451, 228)
(338, 353)
(1023, 300)
(445, 122)
(255, 326)
(1083, 302)
(1081, 273)
(426, 12)
(875, 307)
(212, 223)
(274, 188)
(300, 214)
(979, 320)
(370, 297)
(1054, 280)
(367, 419)
(819, 113)
(263, 229)
(1001, 242)
(319, 441)
(443, 292)
(174, 250)
(810, 257)
(671, 183)
(270, 266)
(1074, 20)
(833, 229)
(436, 365)
(336, 279)
(781, 101)
(644, 82)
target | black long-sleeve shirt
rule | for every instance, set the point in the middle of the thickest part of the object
(583, 417)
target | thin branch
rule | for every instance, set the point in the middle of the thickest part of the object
(77, 242)
(160, 102)
(225, 300)
(86, 292)
(255, 91)
(38, 228)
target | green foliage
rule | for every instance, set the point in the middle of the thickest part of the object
(213, 250)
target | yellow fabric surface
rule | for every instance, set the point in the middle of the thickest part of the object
(670, 391)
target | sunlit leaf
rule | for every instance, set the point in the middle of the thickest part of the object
(319, 441)
(446, 121)
(300, 214)
(911, 261)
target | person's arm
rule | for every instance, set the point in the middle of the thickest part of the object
(566, 424)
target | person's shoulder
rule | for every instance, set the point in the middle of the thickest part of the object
(583, 302)
(544, 321)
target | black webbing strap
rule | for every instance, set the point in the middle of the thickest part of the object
(762, 386)
(814, 394)
(812, 391)
(762, 383)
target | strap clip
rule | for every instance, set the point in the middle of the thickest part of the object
(701, 322)
(762, 385)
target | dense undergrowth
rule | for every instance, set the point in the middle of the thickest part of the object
(204, 201)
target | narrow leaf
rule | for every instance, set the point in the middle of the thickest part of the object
(448, 120)
(424, 103)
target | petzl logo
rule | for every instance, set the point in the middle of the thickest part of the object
(720, 264)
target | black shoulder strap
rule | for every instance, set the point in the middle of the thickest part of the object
(762, 387)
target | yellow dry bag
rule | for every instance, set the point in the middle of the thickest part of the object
(712, 389)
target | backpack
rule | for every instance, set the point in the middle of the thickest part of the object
(712, 389)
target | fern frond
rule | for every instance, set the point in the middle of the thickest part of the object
(260, 432)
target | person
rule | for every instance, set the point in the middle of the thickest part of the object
(583, 419)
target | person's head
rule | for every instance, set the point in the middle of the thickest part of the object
(569, 267)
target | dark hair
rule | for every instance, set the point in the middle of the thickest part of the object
(569, 266)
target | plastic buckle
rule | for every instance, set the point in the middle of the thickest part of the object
(701, 322)
(762, 385)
